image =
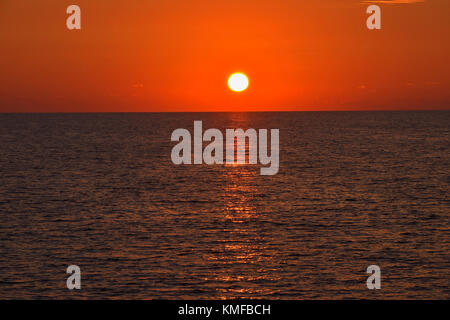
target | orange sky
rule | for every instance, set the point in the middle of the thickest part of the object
(176, 55)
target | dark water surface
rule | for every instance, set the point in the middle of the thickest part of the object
(100, 191)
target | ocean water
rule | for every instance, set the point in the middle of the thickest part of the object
(100, 191)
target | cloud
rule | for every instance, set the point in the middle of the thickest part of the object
(393, 1)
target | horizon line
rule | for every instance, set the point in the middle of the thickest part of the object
(262, 111)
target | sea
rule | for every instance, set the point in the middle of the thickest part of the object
(100, 191)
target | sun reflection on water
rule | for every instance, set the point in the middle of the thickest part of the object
(241, 255)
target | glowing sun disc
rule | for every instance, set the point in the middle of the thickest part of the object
(238, 82)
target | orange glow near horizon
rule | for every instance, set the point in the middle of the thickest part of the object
(174, 56)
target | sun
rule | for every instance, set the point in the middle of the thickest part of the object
(238, 82)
